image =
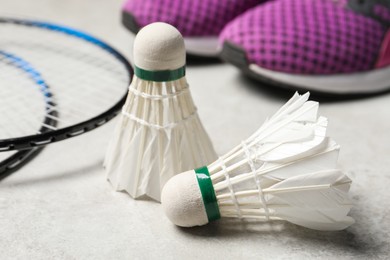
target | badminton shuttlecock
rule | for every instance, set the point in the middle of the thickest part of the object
(159, 133)
(285, 171)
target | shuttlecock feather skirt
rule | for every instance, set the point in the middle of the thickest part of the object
(159, 134)
(287, 170)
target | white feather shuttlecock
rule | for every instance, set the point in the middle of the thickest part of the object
(159, 132)
(285, 171)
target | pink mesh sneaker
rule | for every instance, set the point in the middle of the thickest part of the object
(328, 46)
(200, 21)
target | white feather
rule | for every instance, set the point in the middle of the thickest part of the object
(332, 226)
(290, 165)
(158, 135)
(318, 197)
(325, 158)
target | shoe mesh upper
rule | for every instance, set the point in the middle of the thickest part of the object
(382, 11)
(306, 37)
(190, 17)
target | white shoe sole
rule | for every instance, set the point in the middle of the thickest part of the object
(202, 46)
(368, 82)
(360, 83)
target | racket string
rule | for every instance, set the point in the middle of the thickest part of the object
(85, 80)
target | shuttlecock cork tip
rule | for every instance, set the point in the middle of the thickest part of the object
(182, 201)
(158, 47)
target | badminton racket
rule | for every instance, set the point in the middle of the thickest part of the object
(23, 75)
(56, 83)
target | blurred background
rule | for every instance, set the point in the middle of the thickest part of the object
(60, 205)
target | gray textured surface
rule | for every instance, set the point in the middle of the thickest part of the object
(61, 207)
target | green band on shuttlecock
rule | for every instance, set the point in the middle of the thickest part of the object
(208, 193)
(160, 75)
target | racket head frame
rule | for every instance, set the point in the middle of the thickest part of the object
(47, 137)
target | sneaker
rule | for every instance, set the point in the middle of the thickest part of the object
(200, 22)
(326, 46)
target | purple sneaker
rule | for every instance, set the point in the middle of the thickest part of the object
(199, 21)
(327, 46)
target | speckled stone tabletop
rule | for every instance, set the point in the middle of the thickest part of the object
(61, 207)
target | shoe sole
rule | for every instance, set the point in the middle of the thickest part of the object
(197, 46)
(363, 83)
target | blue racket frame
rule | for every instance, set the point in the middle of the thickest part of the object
(20, 158)
(32, 141)
(30, 146)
